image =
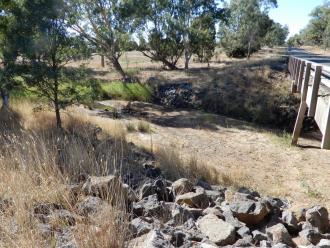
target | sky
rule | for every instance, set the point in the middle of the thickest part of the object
(294, 13)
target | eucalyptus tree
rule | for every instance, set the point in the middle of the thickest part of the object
(105, 24)
(248, 23)
(171, 28)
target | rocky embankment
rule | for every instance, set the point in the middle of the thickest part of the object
(181, 214)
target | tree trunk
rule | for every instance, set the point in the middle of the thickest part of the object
(119, 69)
(57, 106)
(249, 50)
(187, 58)
(170, 65)
(5, 99)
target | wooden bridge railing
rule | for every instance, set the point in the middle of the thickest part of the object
(312, 81)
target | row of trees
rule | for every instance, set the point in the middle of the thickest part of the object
(317, 32)
(39, 37)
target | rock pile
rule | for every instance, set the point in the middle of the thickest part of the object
(185, 214)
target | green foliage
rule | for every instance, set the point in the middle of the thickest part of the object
(127, 91)
(105, 25)
(246, 27)
(276, 35)
(174, 27)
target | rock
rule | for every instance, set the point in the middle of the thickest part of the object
(218, 231)
(246, 191)
(65, 239)
(89, 206)
(146, 190)
(265, 244)
(244, 231)
(276, 203)
(248, 211)
(140, 226)
(63, 217)
(104, 187)
(318, 217)
(190, 228)
(155, 239)
(182, 186)
(290, 221)
(229, 217)
(258, 236)
(281, 245)
(279, 234)
(178, 238)
(151, 207)
(244, 242)
(194, 200)
(324, 243)
(310, 236)
(214, 211)
(180, 214)
(213, 195)
(203, 184)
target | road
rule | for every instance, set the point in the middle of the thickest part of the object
(316, 58)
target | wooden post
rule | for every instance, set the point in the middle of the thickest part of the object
(315, 90)
(295, 69)
(299, 122)
(301, 75)
(302, 108)
(297, 72)
(306, 82)
(102, 61)
(326, 135)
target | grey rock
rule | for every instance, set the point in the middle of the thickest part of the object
(318, 217)
(90, 205)
(324, 243)
(155, 239)
(178, 238)
(65, 239)
(64, 217)
(258, 236)
(182, 186)
(216, 211)
(244, 242)
(248, 211)
(146, 190)
(203, 184)
(140, 226)
(265, 244)
(151, 207)
(229, 217)
(310, 236)
(218, 231)
(290, 221)
(193, 199)
(281, 245)
(244, 231)
(213, 195)
(279, 234)
(180, 214)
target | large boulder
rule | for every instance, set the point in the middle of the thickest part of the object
(193, 199)
(152, 207)
(248, 211)
(279, 234)
(218, 231)
(318, 217)
(182, 186)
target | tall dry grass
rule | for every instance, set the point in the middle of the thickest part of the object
(38, 161)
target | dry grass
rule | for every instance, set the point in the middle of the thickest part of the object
(174, 167)
(36, 164)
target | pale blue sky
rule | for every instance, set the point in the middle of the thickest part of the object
(294, 13)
